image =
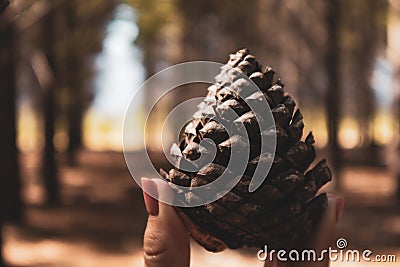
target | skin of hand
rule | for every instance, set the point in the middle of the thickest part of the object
(166, 239)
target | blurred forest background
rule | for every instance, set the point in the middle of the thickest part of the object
(68, 69)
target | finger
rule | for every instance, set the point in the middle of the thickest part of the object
(325, 233)
(322, 237)
(326, 230)
(166, 240)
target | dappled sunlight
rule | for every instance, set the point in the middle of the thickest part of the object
(53, 252)
(101, 222)
(370, 182)
(349, 134)
(28, 126)
(315, 122)
(102, 133)
(384, 129)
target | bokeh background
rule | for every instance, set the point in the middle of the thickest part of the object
(68, 69)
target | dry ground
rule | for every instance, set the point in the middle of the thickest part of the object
(102, 218)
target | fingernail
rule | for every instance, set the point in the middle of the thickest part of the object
(339, 207)
(150, 194)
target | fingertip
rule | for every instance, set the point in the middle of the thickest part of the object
(150, 196)
(166, 240)
(165, 192)
(336, 203)
(339, 208)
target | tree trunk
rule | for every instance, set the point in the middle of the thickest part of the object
(333, 95)
(393, 50)
(396, 81)
(74, 84)
(49, 161)
(8, 153)
(398, 145)
(49, 165)
(74, 131)
(369, 31)
(10, 201)
(2, 264)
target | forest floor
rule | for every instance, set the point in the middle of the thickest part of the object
(101, 218)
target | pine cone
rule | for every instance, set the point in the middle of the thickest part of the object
(284, 209)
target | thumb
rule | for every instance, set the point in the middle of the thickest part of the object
(323, 236)
(166, 239)
(325, 232)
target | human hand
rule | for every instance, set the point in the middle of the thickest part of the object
(166, 239)
(322, 238)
